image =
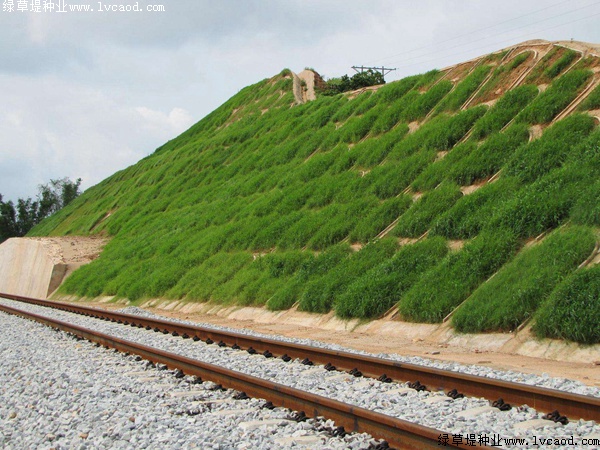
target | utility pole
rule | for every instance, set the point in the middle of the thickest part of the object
(384, 70)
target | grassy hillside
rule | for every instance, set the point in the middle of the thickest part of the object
(427, 194)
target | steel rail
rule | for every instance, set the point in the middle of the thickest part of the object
(574, 406)
(397, 432)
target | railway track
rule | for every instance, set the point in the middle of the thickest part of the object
(574, 406)
(396, 432)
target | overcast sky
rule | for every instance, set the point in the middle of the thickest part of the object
(87, 94)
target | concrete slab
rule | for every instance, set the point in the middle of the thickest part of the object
(254, 424)
(474, 412)
(300, 441)
(535, 424)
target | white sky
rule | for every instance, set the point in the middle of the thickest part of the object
(87, 94)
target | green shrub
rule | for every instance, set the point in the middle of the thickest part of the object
(370, 225)
(471, 213)
(592, 101)
(556, 98)
(448, 284)
(377, 290)
(422, 105)
(461, 93)
(503, 111)
(561, 64)
(442, 168)
(392, 178)
(537, 158)
(320, 293)
(422, 214)
(573, 309)
(487, 159)
(517, 290)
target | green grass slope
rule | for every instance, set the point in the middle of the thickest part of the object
(425, 194)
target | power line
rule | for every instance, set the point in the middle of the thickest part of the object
(475, 31)
(504, 32)
(506, 40)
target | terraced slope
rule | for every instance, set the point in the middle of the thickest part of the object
(469, 193)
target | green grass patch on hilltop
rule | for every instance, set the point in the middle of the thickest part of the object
(572, 311)
(556, 98)
(518, 289)
(500, 74)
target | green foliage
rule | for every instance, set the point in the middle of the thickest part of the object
(592, 101)
(471, 213)
(561, 64)
(556, 98)
(421, 215)
(423, 104)
(370, 225)
(358, 80)
(461, 93)
(378, 289)
(17, 221)
(517, 290)
(551, 150)
(448, 284)
(319, 294)
(573, 309)
(504, 110)
(487, 159)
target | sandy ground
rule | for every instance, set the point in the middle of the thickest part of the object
(587, 373)
(72, 249)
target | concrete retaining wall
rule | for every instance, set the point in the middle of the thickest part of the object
(28, 268)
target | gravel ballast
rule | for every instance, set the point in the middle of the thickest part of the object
(430, 409)
(63, 393)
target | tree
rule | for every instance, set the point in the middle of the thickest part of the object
(359, 80)
(53, 196)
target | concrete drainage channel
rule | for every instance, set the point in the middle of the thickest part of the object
(461, 417)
